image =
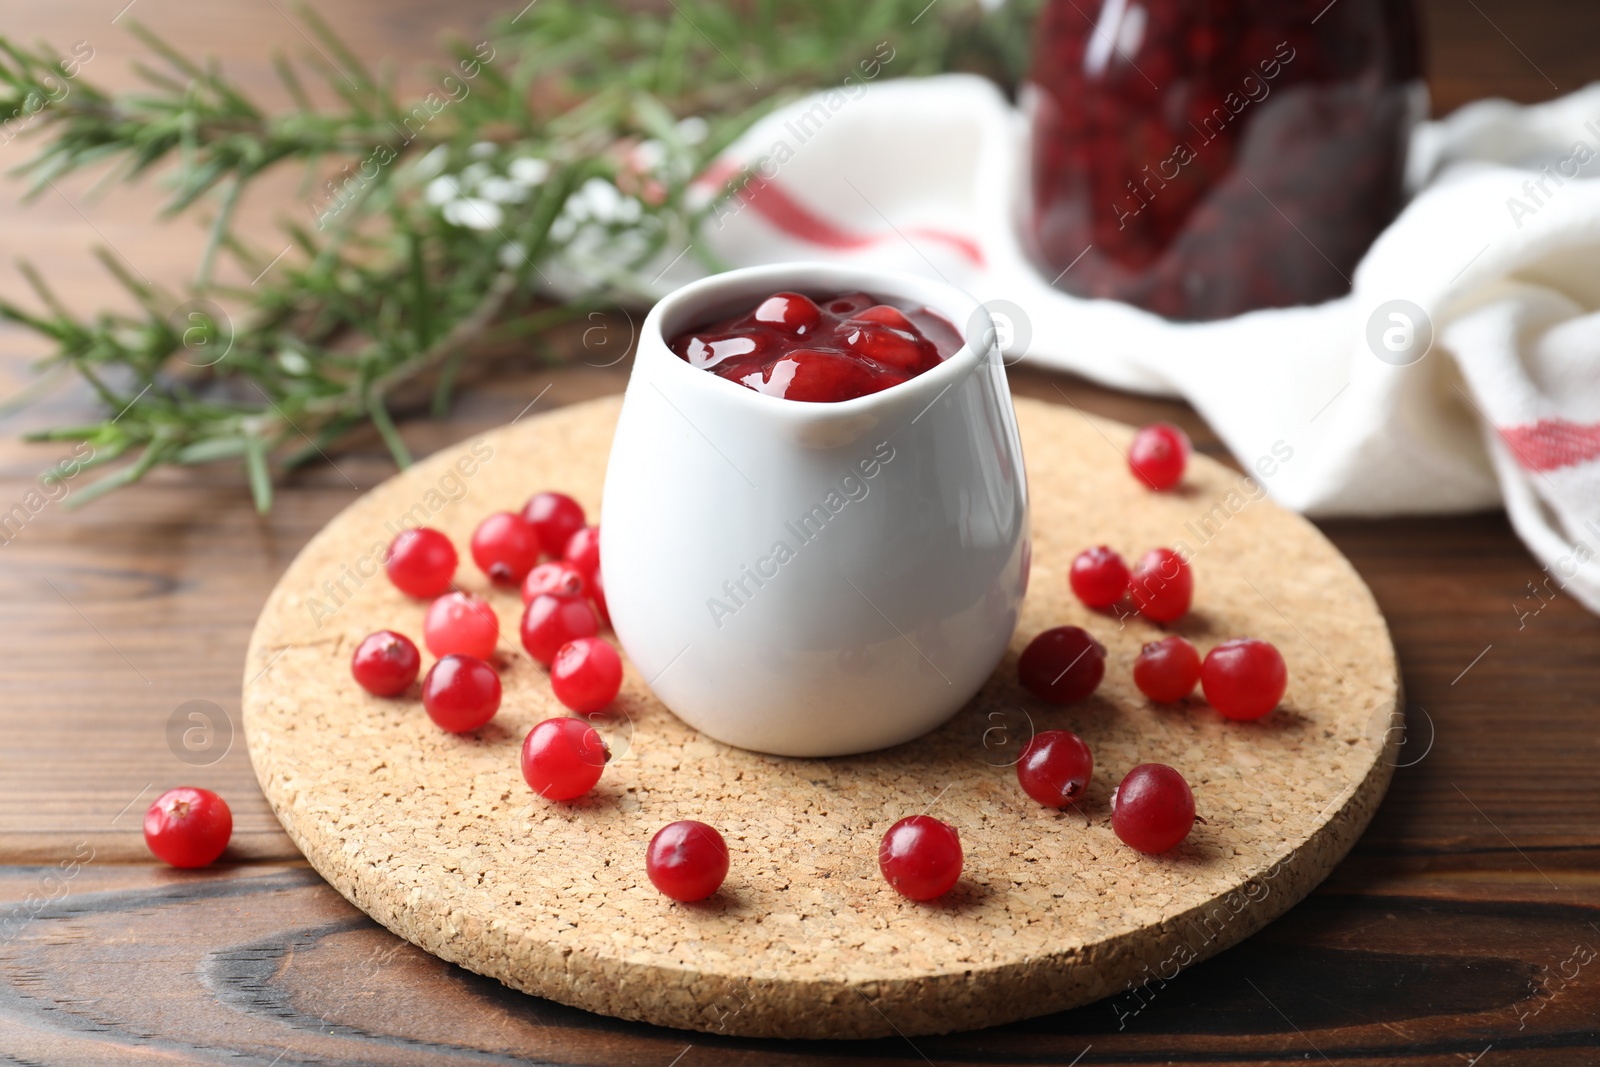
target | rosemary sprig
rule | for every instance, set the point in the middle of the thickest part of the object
(569, 137)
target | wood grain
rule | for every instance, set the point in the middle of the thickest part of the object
(1426, 965)
(1454, 916)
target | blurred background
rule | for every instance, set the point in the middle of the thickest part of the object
(116, 616)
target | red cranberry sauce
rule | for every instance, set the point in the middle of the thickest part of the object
(847, 346)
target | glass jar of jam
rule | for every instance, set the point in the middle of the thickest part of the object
(1203, 158)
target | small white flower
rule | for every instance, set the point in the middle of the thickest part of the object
(432, 163)
(529, 172)
(482, 150)
(293, 362)
(442, 190)
(648, 155)
(513, 255)
(630, 210)
(473, 213)
(563, 228)
(597, 199)
(503, 190)
(693, 129)
(474, 175)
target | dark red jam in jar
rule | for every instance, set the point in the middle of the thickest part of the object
(831, 349)
(1203, 158)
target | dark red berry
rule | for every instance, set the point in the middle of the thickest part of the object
(1244, 678)
(385, 663)
(1099, 577)
(1153, 809)
(461, 693)
(460, 623)
(921, 857)
(1062, 665)
(597, 593)
(816, 376)
(586, 674)
(421, 563)
(1055, 768)
(687, 860)
(885, 315)
(551, 621)
(888, 347)
(559, 577)
(1162, 586)
(505, 547)
(555, 517)
(562, 758)
(188, 827)
(1167, 670)
(583, 550)
(789, 312)
(1158, 455)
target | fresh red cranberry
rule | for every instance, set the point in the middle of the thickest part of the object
(421, 563)
(789, 312)
(921, 857)
(559, 576)
(461, 693)
(687, 860)
(1244, 678)
(188, 827)
(1158, 455)
(385, 663)
(555, 517)
(791, 348)
(551, 621)
(1167, 670)
(1062, 665)
(1153, 809)
(583, 550)
(460, 623)
(505, 547)
(586, 674)
(1162, 585)
(1055, 767)
(597, 593)
(1099, 577)
(562, 758)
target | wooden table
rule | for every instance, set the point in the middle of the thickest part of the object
(1462, 929)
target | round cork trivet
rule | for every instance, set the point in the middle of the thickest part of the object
(438, 838)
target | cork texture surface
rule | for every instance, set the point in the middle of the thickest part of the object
(438, 838)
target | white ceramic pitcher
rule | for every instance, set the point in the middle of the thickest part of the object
(815, 579)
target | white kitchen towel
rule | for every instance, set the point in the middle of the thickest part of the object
(1496, 260)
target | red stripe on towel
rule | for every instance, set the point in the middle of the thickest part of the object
(1549, 444)
(797, 220)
